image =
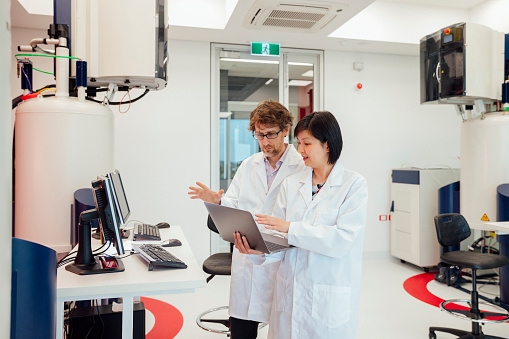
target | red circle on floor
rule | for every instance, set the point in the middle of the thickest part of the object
(168, 319)
(417, 286)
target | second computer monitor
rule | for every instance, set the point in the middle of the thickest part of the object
(121, 204)
(109, 220)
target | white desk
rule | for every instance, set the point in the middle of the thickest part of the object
(135, 281)
(501, 227)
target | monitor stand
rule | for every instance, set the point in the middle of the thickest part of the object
(85, 262)
(95, 268)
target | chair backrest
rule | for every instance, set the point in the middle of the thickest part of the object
(211, 225)
(452, 228)
(213, 228)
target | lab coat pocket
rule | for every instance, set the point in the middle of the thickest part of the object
(331, 304)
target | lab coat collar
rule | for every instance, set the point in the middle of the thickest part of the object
(305, 188)
(335, 179)
(260, 170)
(287, 167)
(336, 175)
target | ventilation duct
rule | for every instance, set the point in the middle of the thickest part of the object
(293, 16)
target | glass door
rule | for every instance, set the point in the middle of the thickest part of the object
(240, 81)
(244, 80)
(302, 90)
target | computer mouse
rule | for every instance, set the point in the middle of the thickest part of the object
(171, 243)
(163, 225)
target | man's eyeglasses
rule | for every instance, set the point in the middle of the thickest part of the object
(271, 135)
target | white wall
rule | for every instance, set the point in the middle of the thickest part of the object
(5, 171)
(162, 146)
(384, 126)
(489, 13)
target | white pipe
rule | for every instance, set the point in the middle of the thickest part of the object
(62, 72)
(24, 48)
(35, 42)
(81, 93)
(39, 41)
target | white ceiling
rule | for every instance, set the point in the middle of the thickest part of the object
(465, 4)
(361, 26)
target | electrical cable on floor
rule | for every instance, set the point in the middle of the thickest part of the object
(491, 281)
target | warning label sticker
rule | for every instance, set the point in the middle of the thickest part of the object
(485, 218)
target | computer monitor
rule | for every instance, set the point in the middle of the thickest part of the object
(111, 211)
(109, 220)
(121, 203)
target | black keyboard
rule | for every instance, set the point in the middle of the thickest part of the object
(147, 232)
(156, 255)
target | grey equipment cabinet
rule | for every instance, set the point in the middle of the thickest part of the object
(414, 195)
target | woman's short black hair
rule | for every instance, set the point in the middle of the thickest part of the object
(324, 127)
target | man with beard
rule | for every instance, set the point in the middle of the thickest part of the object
(255, 188)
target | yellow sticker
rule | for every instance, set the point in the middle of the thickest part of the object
(485, 218)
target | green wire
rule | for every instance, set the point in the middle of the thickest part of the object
(47, 56)
(38, 70)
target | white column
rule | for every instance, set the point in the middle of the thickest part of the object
(5, 169)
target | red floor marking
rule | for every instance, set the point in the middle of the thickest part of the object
(168, 319)
(417, 287)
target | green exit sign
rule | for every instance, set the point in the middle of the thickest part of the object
(264, 48)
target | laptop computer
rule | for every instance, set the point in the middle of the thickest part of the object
(230, 220)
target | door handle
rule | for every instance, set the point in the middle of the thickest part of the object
(437, 69)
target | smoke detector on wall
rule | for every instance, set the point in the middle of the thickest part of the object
(293, 16)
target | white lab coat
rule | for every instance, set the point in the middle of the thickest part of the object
(252, 287)
(318, 283)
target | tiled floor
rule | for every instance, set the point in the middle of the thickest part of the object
(386, 311)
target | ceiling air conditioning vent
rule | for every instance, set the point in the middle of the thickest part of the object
(292, 17)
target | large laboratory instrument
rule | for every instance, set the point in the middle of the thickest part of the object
(462, 63)
(414, 195)
(61, 143)
(64, 134)
(484, 165)
(128, 49)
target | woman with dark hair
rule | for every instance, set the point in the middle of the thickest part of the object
(322, 211)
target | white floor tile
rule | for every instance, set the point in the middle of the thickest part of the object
(387, 311)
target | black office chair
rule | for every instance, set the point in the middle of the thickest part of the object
(451, 229)
(216, 264)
